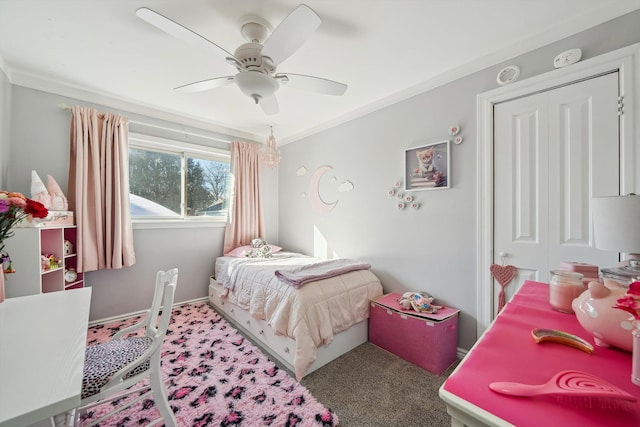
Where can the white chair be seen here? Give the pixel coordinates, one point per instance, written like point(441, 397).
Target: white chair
point(119, 364)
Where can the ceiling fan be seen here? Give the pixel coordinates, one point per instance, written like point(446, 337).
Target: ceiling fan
point(257, 60)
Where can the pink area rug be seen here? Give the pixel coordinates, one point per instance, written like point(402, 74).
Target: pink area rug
point(216, 377)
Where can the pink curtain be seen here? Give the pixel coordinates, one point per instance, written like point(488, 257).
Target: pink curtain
point(98, 189)
point(246, 219)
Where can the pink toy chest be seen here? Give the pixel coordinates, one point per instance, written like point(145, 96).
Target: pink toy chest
point(426, 340)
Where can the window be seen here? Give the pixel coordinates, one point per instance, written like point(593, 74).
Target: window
point(172, 180)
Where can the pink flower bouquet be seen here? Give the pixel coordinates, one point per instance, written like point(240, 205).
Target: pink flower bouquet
point(14, 207)
point(630, 303)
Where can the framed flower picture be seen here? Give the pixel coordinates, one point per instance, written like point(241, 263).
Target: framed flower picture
point(427, 167)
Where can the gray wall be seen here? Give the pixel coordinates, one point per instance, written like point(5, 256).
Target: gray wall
point(432, 249)
point(5, 121)
point(40, 141)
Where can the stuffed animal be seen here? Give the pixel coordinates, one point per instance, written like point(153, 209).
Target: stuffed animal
point(418, 301)
point(49, 262)
point(259, 249)
point(44, 263)
point(263, 251)
point(258, 242)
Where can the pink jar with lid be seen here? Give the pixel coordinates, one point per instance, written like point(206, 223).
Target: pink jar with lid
point(564, 287)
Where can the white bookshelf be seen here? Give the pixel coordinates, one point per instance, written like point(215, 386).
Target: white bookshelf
point(26, 248)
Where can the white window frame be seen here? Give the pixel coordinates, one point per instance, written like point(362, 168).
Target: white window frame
point(183, 149)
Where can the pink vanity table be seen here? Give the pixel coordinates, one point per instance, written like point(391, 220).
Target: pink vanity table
point(507, 352)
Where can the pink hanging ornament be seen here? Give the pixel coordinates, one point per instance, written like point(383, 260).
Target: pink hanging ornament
point(504, 274)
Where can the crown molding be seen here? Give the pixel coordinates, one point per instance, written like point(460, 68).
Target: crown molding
point(31, 81)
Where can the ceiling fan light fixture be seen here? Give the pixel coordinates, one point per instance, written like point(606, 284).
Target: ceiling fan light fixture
point(270, 154)
point(256, 85)
point(257, 60)
point(255, 29)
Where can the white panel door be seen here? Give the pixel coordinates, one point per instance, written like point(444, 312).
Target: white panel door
point(553, 152)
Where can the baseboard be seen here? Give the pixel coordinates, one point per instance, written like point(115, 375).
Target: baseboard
point(461, 353)
point(137, 313)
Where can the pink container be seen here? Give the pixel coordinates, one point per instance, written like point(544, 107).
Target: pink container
point(564, 287)
point(587, 270)
point(426, 340)
point(59, 219)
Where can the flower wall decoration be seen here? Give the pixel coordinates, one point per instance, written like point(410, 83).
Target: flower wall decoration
point(15, 207)
point(454, 130)
point(395, 191)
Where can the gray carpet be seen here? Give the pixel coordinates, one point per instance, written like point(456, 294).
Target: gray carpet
point(370, 387)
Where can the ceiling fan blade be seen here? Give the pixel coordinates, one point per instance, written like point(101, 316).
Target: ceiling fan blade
point(292, 32)
point(269, 105)
point(313, 84)
point(177, 30)
point(205, 85)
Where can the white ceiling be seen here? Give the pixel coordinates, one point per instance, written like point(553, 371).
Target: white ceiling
point(385, 50)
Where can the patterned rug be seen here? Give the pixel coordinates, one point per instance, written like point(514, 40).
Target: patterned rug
point(216, 377)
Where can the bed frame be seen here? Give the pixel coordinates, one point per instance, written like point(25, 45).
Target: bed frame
point(281, 347)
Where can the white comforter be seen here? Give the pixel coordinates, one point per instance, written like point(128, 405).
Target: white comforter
point(311, 314)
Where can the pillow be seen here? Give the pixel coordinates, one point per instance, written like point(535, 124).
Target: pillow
point(275, 248)
point(242, 251)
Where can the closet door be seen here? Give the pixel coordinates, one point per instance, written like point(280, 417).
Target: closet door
point(553, 152)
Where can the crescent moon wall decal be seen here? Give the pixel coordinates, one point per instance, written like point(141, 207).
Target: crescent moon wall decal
point(314, 191)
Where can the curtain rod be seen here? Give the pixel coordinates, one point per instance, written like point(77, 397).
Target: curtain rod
point(66, 107)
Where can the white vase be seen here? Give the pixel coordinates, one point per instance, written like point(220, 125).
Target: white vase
point(635, 358)
point(1, 284)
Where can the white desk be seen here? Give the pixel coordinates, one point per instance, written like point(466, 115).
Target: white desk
point(42, 344)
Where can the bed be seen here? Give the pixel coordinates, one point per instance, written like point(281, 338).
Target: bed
point(302, 310)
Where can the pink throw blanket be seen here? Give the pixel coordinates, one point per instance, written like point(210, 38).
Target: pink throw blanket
point(321, 270)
